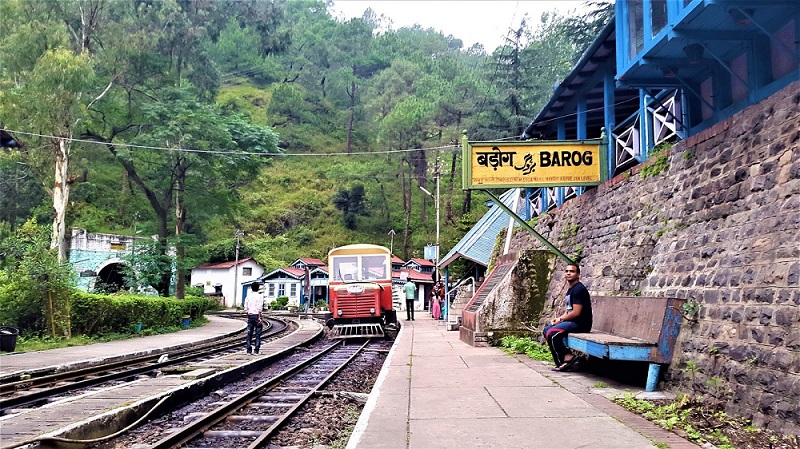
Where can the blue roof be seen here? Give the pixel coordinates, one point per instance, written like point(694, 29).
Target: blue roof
point(478, 243)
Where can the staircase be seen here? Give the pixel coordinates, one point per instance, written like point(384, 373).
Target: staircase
point(468, 330)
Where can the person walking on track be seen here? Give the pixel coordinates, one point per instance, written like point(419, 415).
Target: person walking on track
point(254, 306)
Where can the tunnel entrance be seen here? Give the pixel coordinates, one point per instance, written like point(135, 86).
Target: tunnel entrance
point(110, 279)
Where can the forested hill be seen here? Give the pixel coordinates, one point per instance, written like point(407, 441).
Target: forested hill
point(191, 119)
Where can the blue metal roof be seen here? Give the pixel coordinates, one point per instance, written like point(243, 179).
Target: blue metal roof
point(478, 243)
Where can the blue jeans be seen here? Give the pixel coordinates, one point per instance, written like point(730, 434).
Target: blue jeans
point(253, 327)
point(555, 339)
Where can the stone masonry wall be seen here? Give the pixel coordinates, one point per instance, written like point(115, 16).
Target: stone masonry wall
point(719, 225)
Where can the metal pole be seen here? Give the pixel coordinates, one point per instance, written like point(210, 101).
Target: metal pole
point(236, 269)
point(438, 203)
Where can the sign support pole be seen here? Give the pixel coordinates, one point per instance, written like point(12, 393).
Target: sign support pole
point(528, 227)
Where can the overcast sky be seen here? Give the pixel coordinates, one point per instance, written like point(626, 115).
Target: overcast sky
point(472, 21)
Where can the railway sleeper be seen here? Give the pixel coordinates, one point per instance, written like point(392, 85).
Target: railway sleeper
point(272, 404)
point(232, 434)
point(253, 418)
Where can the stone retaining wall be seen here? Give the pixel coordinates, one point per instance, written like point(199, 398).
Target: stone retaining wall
point(719, 225)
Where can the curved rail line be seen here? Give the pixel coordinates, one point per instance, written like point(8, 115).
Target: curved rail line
point(38, 390)
point(71, 419)
point(266, 407)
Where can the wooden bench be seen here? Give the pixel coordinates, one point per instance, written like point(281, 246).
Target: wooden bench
point(632, 328)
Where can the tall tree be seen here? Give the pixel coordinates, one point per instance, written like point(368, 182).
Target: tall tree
point(190, 140)
point(53, 99)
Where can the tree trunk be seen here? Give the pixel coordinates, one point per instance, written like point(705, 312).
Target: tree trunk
point(352, 95)
point(159, 208)
point(180, 225)
point(406, 231)
point(466, 206)
point(60, 198)
point(449, 203)
point(403, 184)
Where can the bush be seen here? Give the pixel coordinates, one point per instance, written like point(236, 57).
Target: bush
point(279, 303)
point(94, 314)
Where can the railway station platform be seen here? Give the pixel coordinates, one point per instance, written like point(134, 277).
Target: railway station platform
point(83, 356)
point(435, 391)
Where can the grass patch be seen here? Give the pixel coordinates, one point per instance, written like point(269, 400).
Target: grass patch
point(349, 422)
point(694, 419)
point(527, 346)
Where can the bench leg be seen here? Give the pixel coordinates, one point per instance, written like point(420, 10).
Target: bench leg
point(652, 376)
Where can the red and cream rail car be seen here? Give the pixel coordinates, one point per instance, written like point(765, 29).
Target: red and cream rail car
point(360, 291)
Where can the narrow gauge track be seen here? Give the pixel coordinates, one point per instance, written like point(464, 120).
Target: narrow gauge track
point(265, 407)
point(39, 390)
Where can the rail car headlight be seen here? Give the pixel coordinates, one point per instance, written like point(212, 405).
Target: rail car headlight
point(339, 312)
point(372, 310)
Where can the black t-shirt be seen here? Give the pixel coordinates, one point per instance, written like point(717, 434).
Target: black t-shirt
point(577, 294)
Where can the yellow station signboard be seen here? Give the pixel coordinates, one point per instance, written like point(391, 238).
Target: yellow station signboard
point(534, 164)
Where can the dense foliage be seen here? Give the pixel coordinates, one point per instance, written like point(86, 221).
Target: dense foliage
point(187, 120)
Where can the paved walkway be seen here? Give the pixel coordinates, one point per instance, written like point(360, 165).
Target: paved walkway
point(438, 392)
point(81, 356)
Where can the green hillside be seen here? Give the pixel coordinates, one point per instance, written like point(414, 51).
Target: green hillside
point(190, 120)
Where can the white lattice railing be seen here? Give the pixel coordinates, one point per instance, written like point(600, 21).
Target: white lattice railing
point(627, 144)
point(666, 117)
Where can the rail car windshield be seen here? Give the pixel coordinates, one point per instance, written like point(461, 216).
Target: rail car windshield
point(350, 268)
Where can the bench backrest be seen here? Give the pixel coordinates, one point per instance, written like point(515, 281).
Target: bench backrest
point(635, 316)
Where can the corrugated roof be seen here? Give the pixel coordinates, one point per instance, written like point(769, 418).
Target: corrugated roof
point(310, 261)
point(477, 244)
point(224, 265)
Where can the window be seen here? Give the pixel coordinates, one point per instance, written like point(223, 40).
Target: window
point(271, 291)
point(635, 28)
point(374, 267)
point(247, 271)
point(281, 289)
point(292, 290)
point(345, 268)
point(658, 15)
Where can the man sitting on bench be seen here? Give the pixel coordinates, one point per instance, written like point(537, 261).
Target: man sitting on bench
point(578, 318)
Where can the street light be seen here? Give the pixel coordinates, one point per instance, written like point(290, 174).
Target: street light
point(436, 175)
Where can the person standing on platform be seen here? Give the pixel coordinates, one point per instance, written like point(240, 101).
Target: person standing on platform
point(436, 294)
point(411, 293)
point(577, 318)
point(253, 307)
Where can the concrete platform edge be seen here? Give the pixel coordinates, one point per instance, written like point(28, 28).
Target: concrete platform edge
point(372, 400)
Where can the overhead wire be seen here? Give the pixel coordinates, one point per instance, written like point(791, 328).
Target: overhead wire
point(229, 153)
point(283, 154)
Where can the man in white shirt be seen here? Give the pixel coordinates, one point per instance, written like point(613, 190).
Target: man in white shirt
point(253, 307)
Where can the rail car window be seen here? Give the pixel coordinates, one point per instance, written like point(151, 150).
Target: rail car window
point(374, 267)
point(360, 268)
point(345, 268)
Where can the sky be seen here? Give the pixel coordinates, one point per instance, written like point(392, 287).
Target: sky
point(486, 22)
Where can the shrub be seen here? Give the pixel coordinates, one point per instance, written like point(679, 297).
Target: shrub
point(279, 303)
point(94, 314)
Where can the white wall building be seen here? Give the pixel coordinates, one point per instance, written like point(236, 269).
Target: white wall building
point(219, 278)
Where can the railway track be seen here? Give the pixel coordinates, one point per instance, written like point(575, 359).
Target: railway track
point(72, 419)
point(43, 388)
point(262, 409)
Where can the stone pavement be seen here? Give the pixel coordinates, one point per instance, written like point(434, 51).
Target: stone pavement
point(437, 392)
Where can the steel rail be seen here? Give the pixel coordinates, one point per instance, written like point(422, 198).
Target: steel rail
point(126, 371)
point(182, 436)
point(289, 413)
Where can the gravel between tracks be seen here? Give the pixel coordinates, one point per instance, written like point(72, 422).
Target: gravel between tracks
point(324, 422)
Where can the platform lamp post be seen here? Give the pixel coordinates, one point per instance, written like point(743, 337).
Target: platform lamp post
point(239, 233)
point(436, 175)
